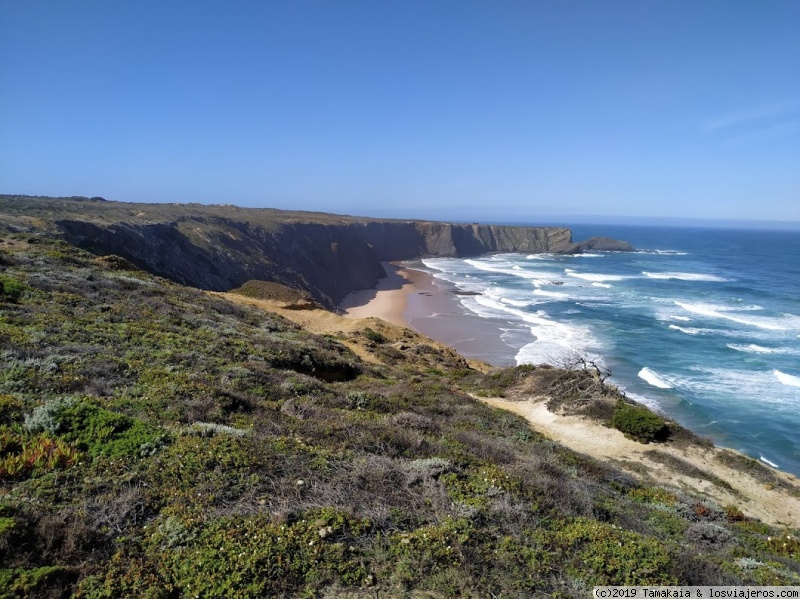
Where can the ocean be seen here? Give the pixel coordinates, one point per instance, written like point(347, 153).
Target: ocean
point(701, 324)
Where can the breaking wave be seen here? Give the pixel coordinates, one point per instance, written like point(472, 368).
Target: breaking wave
point(652, 378)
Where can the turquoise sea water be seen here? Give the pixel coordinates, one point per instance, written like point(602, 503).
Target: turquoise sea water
point(703, 324)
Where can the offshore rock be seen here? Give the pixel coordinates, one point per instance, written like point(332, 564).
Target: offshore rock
point(597, 244)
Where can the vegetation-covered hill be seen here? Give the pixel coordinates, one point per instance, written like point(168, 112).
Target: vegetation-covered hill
point(158, 441)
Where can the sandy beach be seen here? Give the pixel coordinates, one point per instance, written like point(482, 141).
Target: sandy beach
point(416, 299)
point(389, 299)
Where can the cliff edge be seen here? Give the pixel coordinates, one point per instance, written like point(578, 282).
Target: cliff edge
point(221, 247)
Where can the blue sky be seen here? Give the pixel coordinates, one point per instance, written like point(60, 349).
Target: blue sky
point(456, 109)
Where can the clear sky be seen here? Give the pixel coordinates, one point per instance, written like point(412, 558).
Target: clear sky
point(455, 109)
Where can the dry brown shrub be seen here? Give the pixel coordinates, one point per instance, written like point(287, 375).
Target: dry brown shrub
point(415, 421)
point(487, 447)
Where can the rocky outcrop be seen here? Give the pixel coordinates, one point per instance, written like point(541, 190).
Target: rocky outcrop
point(597, 244)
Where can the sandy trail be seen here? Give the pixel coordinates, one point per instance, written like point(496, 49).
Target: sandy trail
point(774, 506)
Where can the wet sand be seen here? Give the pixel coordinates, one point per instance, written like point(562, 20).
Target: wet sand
point(416, 299)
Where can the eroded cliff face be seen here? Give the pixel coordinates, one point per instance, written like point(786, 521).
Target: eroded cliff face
point(221, 247)
point(394, 240)
point(328, 260)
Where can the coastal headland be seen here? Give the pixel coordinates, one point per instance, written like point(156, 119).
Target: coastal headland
point(167, 439)
point(221, 247)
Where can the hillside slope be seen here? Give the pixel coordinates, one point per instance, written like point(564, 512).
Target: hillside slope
point(160, 441)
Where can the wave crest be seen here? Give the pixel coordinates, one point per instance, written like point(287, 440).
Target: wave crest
point(752, 348)
point(787, 379)
point(652, 378)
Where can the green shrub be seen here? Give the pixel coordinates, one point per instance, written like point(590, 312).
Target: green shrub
point(428, 551)
point(602, 554)
point(20, 582)
point(10, 289)
point(638, 422)
point(241, 557)
point(374, 336)
point(11, 409)
point(96, 430)
point(653, 495)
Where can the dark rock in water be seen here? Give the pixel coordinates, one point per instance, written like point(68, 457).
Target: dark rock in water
point(598, 244)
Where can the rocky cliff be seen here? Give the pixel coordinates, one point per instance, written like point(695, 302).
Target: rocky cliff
point(222, 247)
point(328, 259)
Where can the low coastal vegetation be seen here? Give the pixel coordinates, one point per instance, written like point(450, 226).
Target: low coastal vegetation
point(159, 441)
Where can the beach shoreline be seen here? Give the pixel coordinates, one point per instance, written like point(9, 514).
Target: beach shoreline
point(416, 299)
point(389, 298)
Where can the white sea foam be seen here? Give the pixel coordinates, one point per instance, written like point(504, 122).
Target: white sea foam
point(517, 303)
point(752, 348)
point(606, 285)
point(549, 256)
point(691, 330)
point(642, 399)
point(555, 341)
point(768, 462)
point(506, 268)
point(663, 252)
point(782, 323)
point(593, 276)
point(552, 294)
point(787, 379)
point(746, 386)
point(652, 378)
point(683, 276)
point(668, 314)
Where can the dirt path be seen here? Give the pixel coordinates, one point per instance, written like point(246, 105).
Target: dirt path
point(773, 505)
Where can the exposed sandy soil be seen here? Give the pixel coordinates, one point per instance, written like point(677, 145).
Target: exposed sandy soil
point(772, 505)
